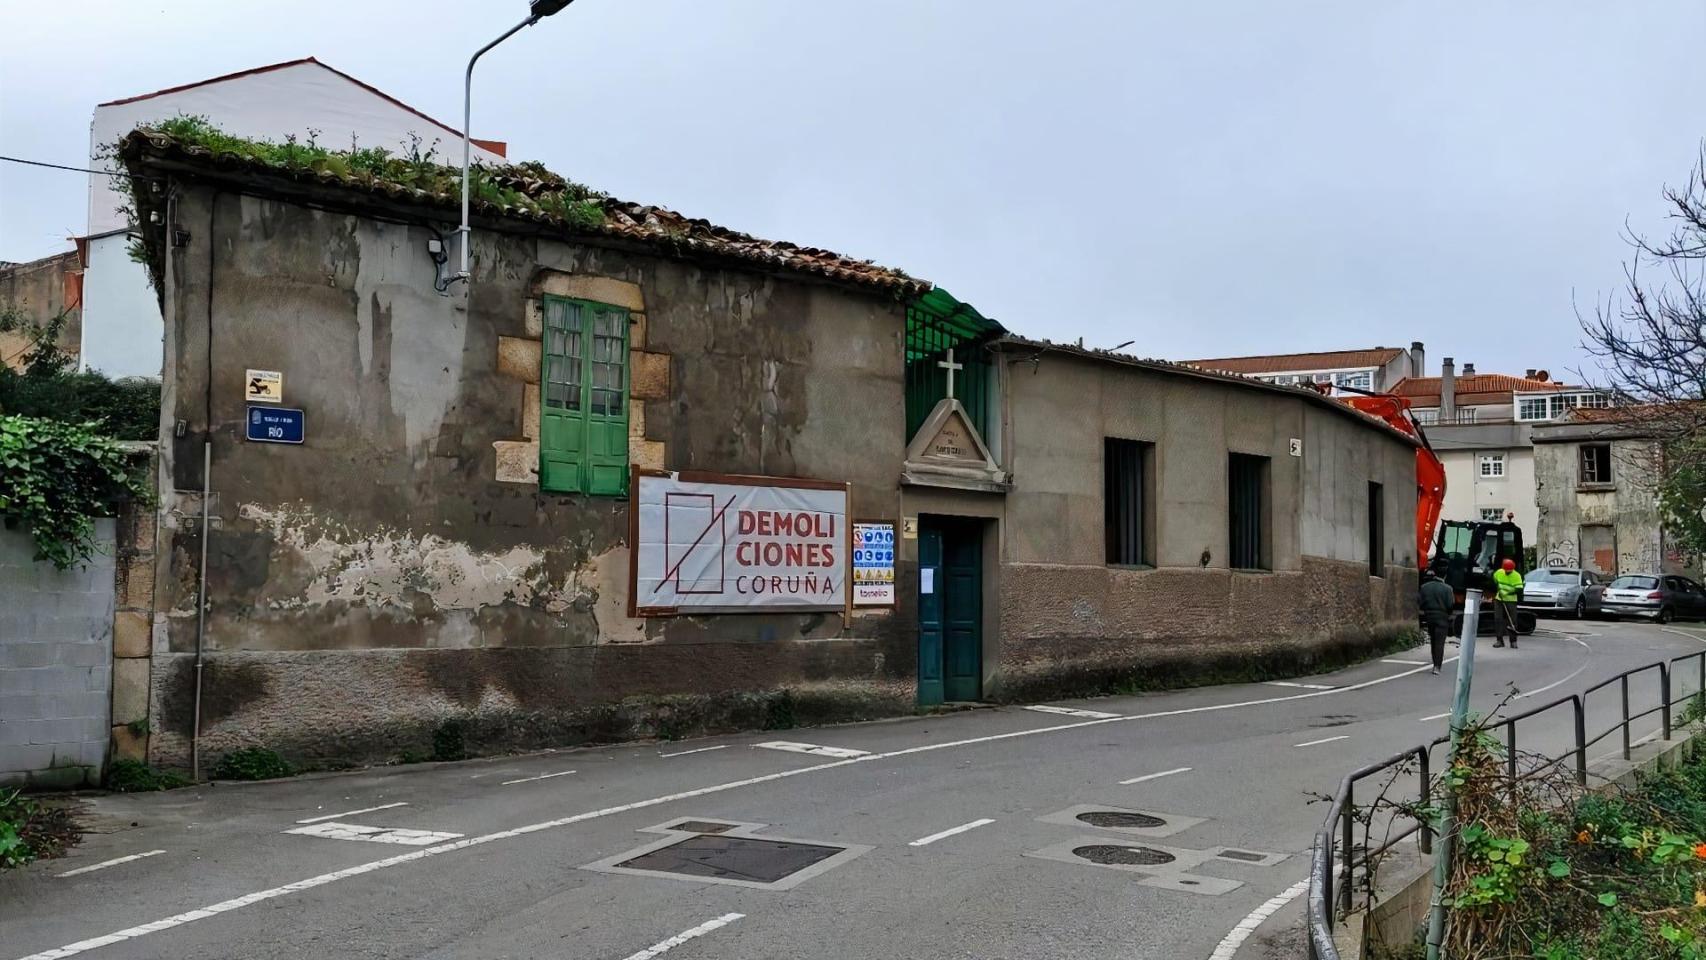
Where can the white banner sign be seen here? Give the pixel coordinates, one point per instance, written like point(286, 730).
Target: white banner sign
point(744, 547)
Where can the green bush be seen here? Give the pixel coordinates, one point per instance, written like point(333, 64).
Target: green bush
point(56, 478)
point(252, 763)
point(134, 776)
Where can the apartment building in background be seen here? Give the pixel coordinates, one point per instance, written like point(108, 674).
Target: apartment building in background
point(1375, 369)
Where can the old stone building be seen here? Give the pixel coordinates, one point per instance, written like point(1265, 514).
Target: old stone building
point(644, 475)
point(37, 294)
point(1596, 473)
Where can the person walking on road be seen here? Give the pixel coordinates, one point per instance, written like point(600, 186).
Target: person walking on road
point(1509, 584)
point(1437, 601)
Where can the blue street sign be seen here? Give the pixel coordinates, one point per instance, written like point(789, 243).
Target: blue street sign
point(276, 425)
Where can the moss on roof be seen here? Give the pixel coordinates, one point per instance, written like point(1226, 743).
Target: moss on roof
point(520, 191)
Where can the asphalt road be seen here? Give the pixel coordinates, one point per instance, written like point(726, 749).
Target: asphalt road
point(524, 870)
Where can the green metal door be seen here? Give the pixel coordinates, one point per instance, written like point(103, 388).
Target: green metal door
point(930, 626)
point(962, 640)
point(950, 610)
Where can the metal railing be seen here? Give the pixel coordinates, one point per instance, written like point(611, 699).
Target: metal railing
point(1331, 888)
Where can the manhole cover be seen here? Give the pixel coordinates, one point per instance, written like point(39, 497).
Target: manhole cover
point(1121, 819)
point(733, 858)
point(1249, 855)
point(702, 826)
point(1107, 853)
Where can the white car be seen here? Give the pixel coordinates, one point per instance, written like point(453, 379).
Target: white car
point(1564, 591)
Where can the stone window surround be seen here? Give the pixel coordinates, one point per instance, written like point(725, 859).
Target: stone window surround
point(520, 359)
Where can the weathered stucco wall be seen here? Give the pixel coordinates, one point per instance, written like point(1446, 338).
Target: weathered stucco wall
point(1069, 621)
point(1626, 508)
point(402, 566)
point(40, 290)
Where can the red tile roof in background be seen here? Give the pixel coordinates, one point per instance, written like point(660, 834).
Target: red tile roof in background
point(498, 147)
point(1288, 362)
point(1482, 388)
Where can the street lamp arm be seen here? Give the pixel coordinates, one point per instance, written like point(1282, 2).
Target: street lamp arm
point(467, 117)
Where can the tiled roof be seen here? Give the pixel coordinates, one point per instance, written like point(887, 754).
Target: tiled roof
point(668, 232)
point(1178, 368)
point(1288, 362)
point(1482, 388)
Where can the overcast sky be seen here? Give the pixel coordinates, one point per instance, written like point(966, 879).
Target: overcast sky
point(1206, 179)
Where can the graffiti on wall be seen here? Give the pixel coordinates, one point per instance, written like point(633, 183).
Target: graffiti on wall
point(1561, 553)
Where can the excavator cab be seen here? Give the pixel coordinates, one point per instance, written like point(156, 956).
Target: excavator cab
point(1466, 554)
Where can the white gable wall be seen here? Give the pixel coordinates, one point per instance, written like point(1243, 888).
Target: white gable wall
point(122, 329)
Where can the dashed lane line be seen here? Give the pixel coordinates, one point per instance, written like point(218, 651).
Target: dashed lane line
point(351, 813)
point(110, 863)
point(1154, 776)
point(1300, 686)
point(356, 831)
point(683, 753)
point(951, 831)
point(1316, 743)
point(261, 896)
point(665, 946)
point(543, 776)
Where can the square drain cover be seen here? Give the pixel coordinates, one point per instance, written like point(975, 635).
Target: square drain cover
point(702, 826)
point(751, 859)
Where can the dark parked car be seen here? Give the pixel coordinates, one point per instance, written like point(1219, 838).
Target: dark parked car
point(1574, 593)
point(1658, 598)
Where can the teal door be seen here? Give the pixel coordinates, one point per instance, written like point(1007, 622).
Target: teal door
point(950, 611)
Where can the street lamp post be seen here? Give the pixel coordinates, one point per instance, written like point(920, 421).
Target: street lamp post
point(536, 11)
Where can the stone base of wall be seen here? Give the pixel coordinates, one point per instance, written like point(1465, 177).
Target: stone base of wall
point(339, 707)
point(1083, 631)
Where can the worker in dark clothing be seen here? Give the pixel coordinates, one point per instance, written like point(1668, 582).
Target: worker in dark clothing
point(1508, 586)
point(1436, 604)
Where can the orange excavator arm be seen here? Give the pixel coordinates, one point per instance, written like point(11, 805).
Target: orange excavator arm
point(1430, 472)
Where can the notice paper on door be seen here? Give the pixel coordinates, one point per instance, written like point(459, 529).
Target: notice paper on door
point(927, 580)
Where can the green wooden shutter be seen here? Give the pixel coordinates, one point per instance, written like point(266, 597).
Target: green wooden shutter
point(607, 402)
point(583, 423)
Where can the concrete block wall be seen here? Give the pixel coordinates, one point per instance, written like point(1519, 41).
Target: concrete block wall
point(56, 663)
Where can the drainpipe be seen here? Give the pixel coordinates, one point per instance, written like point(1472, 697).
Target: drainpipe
point(201, 597)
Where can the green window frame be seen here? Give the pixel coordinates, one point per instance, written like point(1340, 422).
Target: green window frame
point(583, 398)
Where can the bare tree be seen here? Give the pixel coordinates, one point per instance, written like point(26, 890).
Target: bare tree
point(1650, 344)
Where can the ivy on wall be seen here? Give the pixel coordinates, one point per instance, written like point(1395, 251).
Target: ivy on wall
point(56, 478)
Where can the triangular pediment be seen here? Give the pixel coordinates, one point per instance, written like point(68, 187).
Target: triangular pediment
point(947, 451)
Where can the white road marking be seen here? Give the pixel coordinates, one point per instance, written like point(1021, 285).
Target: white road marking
point(962, 828)
point(1408, 663)
point(814, 749)
point(351, 813)
point(684, 753)
point(1556, 683)
point(1071, 712)
point(1232, 941)
point(1304, 686)
point(355, 831)
point(1154, 776)
point(110, 863)
point(543, 776)
point(684, 936)
point(260, 896)
point(1316, 743)
point(1684, 633)
point(1437, 716)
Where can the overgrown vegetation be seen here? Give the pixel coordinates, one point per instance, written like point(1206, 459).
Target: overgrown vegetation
point(527, 187)
point(32, 830)
point(56, 478)
point(252, 763)
point(135, 776)
point(48, 387)
point(1549, 870)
